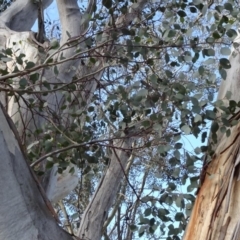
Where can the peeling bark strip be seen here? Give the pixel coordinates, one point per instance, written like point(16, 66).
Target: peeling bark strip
point(216, 210)
point(224, 228)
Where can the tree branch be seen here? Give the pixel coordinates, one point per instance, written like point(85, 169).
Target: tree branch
point(70, 18)
point(15, 16)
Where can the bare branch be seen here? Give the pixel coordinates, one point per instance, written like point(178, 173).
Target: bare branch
point(90, 7)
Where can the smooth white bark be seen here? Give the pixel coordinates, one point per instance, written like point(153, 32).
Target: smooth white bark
point(96, 212)
point(23, 213)
point(21, 15)
point(60, 185)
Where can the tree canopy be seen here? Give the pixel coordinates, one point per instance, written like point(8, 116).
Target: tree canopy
point(135, 78)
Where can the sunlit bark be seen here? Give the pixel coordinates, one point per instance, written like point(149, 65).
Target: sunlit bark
point(215, 214)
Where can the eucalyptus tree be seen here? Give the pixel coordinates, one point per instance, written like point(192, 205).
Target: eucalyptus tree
point(109, 103)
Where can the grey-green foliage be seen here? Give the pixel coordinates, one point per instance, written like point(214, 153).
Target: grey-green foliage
point(163, 71)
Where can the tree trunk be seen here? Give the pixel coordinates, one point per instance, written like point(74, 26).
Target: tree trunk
point(215, 214)
point(96, 212)
point(23, 209)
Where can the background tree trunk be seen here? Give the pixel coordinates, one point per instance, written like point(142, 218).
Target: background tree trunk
point(96, 212)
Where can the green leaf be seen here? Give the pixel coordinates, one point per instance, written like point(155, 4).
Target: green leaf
point(169, 73)
point(146, 123)
point(209, 61)
point(224, 62)
point(147, 211)
point(195, 58)
point(214, 127)
point(231, 33)
point(189, 207)
point(228, 6)
point(180, 202)
point(216, 35)
point(68, 34)
point(171, 186)
point(46, 85)
point(178, 145)
point(54, 44)
point(193, 9)
point(8, 51)
point(201, 70)
point(19, 58)
point(223, 129)
point(176, 172)
point(196, 2)
point(179, 216)
point(162, 214)
point(49, 164)
point(142, 93)
point(34, 77)
point(228, 132)
point(30, 65)
point(177, 26)
point(179, 96)
point(208, 52)
point(225, 51)
point(91, 109)
point(223, 73)
point(204, 9)
point(86, 170)
point(204, 136)
point(125, 31)
point(23, 82)
point(48, 146)
point(181, 13)
point(211, 115)
point(145, 199)
point(107, 3)
point(152, 221)
point(236, 45)
point(141, 231)
point(196, 108)
point(197, 118)
point(186, 129)
point(72, 170)
point(133, 227)
point(75, 216)
point(137, 39)
point(55, 69)
point(210, 40)
point(171, 33)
